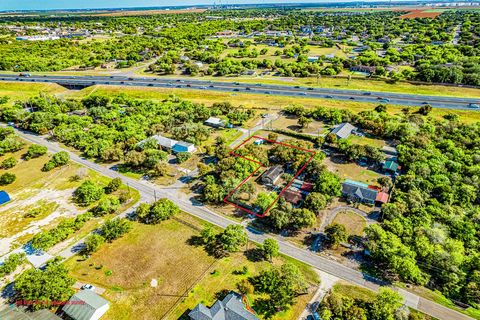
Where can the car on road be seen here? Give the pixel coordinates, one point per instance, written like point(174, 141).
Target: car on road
point(352, 98)
point(130, 79)
point(150, 84)
point(310, 88)
point(384, 100)
point(236, 89)
point(237, 83)
point(88, 286)
point(189, 85)
point(303, 93)
point(329, 97)
point(474, 106)
point(267, 92)
point(297, 87)
point(248, 88)
point(265, 115)
point(203, 87)
point(23, 74)
point(211, 86)
point(367, 93)
point(425, 102)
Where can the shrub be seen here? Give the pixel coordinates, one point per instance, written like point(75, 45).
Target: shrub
point(7, 178)
point(113, 185)
point(8, 163)
point(58, 159)
point(87, 193)
point(35, 151)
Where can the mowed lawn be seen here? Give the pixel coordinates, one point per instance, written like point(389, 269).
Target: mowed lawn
point(25, 90)
point(186, 275)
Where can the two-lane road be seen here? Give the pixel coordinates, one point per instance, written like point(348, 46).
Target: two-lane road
point(258, 88)
point(148, 191)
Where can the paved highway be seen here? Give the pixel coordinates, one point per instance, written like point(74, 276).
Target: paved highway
point(148, 191)
point(265, 89)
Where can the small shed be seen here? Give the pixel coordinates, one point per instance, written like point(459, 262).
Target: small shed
point(4, 197)
point(86, 305)
point(391, 166)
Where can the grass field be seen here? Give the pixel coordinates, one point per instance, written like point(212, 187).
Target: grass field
point(367, 141)
point(350, 170)
point(186, 275)
point(25, 90)
point(40, 200)
point(259, 101)
point(352, 221)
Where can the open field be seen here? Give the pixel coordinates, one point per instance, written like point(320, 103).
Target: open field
point(144, 12)
point(422, 14)
point(352, 221)
point(351, 170)
point(40, 200)
point(186, 275)
point(25, 90)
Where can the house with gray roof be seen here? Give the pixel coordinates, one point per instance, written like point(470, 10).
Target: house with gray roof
point(359, 192)
point(272, 175)
point(344, 130)
point(214, 122)
point(230, 308)
point(86, 305)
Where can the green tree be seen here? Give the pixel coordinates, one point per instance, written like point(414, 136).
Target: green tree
point(270, 248)
point(106, 205)
point(386, 304)
point(161, 210)
point(92, 243)
point(328, 184)
point(113, 185)
point(316, 201)
point(35, 151)
point(336, 234)
point(232, 238)
point(87, 193)
point(48, 285)
point(7, 178)
point(58, 159)
point(208, 235)
point(115, 228)
point(8, 163)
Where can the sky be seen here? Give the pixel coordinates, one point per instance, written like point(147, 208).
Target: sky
point(87, 4)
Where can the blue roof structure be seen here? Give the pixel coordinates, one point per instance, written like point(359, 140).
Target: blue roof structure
point(4, 197)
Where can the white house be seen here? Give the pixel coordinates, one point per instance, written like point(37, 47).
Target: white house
point(86, 305)
point(182, 146)
point(215, 122)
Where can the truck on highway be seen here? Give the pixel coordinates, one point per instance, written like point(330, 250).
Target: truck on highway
point(23, 74)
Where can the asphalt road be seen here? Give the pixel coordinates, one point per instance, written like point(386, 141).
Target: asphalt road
point(149, 191)
point(264, 89)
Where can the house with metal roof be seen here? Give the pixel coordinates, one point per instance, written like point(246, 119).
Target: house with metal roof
point(214, 122)
point(4, 197)
point(344, 130)
point(161, 141)
point(230, 308)
point(14, 312)
point(391, 166)
point(182, 146)
point(293, 195)
point(86, 305)
point(359, 192)
point(272, 175)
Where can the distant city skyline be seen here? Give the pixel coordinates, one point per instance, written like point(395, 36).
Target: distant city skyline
point(94, 4)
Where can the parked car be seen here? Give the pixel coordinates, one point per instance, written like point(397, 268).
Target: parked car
point(474, 106)
point(88, 286)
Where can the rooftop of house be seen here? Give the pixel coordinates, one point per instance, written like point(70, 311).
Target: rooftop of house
point(292, 196)
point(344, 130)
point(273, 173)
point(230, 308)
point(214, 120)
point(359, 190)
point(391, 165)
point(83, 304)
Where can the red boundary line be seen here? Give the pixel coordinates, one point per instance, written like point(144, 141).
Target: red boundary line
point(233, 153)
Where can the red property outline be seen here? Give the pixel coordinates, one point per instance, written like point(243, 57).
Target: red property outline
point(233, 153)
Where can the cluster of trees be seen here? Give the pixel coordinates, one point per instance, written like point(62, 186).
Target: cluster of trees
point(47, 239)
point(114, 127)
point(9, 141)
point(11, 263)
point(44, 287)
point(386, 305)
point(221, 244)
point(35, 151)
point(160, 210)
point(111, 230)
point(58, 159)
point(7, 178)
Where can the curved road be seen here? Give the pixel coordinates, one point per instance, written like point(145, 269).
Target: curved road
point(264, 89)
point(148, 191)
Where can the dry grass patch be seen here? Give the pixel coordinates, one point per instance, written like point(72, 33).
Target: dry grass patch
point(354, 223)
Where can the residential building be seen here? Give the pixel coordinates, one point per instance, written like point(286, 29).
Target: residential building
point(390, 151)
point(162, 141)
point(4, 197)
point(359, 192)
point(390, 166)
point(293, 195)
point(364, 69)
point(272, 175)
point(13, 312)
point(86, 305)
point(313, 59)
point(230, 308)
point(214, 122)
point(344, 130)
point(183, 147)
